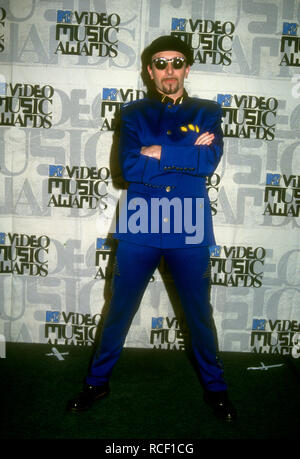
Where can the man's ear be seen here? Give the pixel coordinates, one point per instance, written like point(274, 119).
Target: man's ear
point(187, 71)
point(150, 71)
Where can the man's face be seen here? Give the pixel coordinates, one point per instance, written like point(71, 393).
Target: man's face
point(169, 81)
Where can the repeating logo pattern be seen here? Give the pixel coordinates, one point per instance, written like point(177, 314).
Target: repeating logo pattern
point(65, 74)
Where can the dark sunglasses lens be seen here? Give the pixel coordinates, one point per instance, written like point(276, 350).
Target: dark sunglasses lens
point(160, 64)
point(178, 63)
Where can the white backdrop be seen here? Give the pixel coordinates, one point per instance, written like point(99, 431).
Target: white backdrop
point(66, 68)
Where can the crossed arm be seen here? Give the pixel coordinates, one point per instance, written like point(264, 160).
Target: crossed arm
point(154, 151)
point(142, 163)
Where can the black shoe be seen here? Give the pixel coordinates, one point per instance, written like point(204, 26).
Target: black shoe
point(87, 397)
point(222, 406)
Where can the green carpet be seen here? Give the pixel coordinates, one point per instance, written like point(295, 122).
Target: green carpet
point(155, 395)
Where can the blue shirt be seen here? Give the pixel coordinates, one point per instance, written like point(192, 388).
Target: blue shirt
point(160, 189)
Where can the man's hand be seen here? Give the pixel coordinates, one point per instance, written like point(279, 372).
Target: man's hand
point(153, 151)
point(204, 139)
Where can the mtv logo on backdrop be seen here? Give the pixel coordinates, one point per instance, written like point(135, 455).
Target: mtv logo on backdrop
point(289, 28)
point(56, 171)
point(3, 87)
point(157, 322)
point(178, 24)
point(215, 250)
point(273, 179)
point(52, 316)
point(64, 16)
point(259, 324)
point(109, 94)
point(224, 99)
point(101, 244)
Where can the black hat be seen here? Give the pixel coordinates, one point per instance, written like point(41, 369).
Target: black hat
point(168, 43)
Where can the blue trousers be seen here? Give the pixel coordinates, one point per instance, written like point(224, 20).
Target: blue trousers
point(190, 269)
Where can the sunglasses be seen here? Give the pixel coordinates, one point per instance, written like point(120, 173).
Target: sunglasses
point(161, 62)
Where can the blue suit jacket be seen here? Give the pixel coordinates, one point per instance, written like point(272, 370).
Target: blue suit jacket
point(180, 173)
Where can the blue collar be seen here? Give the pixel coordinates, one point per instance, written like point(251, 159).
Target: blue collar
point(165, 99)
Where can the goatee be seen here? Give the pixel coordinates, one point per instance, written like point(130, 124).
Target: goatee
point(170, 89)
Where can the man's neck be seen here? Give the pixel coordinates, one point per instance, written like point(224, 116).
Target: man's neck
point(174, 97)
point(168, 98)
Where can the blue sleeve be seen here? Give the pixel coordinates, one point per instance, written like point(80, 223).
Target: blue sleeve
point(187, 159)
point(135, 166)
point(196, 159)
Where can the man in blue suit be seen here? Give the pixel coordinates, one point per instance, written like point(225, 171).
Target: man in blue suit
point(169, 143)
